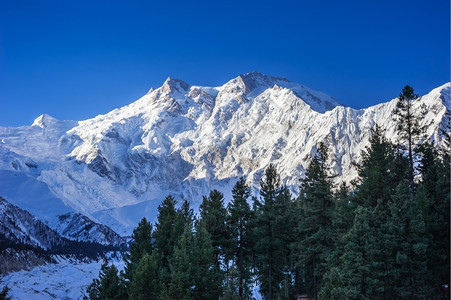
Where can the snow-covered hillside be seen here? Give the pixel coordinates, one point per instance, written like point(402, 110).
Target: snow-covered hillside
point(184, 140)
point(66, 279)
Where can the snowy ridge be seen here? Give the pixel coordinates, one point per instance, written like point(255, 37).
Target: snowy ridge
point(184, 140)
point(34, 198)
point(17, 225)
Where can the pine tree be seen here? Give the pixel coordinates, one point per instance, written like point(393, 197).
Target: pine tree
point(347, 278)
point(142, 243)
point(285, 229)
point(408, 241)
point(207, 278)
point(408, 127)
point(344, 217)
point(269, 247)
point(434, 196)
point(343, 212)
point(168, 229)
point(164, 233)
point(377, 182)
point(213, 216)
point(145, 284)
point(315, 224)
point(109, 285)
point(186, 213)
point(239, 220)
point(182, 279)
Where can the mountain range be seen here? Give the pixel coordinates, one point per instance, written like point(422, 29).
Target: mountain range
point(83, 177)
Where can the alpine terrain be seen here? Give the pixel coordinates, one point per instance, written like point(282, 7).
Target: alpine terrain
point(81, 178)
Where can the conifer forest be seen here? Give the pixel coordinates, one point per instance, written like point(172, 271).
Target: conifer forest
point(385, 235)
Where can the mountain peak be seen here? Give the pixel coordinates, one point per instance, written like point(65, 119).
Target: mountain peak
point(172, 85)
point(247, 83)
point(261, 79)
point(253, 80)
point(44, 120)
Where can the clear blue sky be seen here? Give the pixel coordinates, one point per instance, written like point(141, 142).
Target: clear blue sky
point(77, 59)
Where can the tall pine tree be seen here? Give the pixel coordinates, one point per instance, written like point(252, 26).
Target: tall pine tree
point(213, 216)
point(168, 229)
point(239, 220)
point(142, 243)
point(145, 284)
point(269, 247)
point(109, 285)
point(409, 128)
point(315, 224)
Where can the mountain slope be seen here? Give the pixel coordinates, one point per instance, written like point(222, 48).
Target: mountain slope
point(19, 226)
point(184, 140)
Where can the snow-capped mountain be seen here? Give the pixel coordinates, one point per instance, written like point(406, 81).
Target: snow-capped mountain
point(184, 140)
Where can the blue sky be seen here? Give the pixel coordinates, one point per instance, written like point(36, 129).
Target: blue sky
point(77, 59)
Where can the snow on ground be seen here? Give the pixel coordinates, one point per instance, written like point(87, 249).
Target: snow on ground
point(68, 279)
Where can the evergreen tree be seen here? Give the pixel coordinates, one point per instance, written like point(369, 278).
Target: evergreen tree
point(165, 233)
point(207, 278)
point(408, 127)
point(239, 220)
point(142, 243)
point(168, 229)
point(186, 213)
point(182, 277)
point(315, 224)
point(285, 229)
point(347, 278)
point(108, 286)
point(344, 214)
point(434, 198)
point(407, 240)
point(213, 216)
point(145, 284)
point(232, 286)
point(380, 172)
point(269, 247)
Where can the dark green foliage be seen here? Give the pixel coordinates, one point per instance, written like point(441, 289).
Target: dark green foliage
point(194, 274)
point(207, 278)
point(145, 284)
point(109, 285)
point(433, 196)
point(213, 217)
point(378, 173)
point(168, 229)
point(181, 276)
point(315, 230)
point(272, 218)
point(141, 244)
point(407, 240)
point(393, 249)
point(166, 234)
point(347, 275)
point(240, 220)
point(409, 128)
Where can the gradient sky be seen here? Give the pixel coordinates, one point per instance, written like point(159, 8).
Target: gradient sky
point(77, 59)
